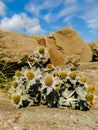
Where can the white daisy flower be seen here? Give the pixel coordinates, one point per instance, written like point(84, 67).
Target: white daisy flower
point(67, 98)
point(25, 98)
point(32, 76)
point(50, 82)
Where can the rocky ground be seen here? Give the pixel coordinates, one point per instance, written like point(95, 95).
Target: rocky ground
point(43, 118)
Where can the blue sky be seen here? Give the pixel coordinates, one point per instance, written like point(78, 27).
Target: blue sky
point(41, 17)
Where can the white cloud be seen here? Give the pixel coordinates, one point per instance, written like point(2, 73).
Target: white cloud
point(91, 17)
point(22, 23)
point(93, 23)
point(93, 31)
point(35, 7)
point(8, 0)
point(35, 30)
point(90, 1)
point(70, 1)
point(51, 3)
point(68, 19)
point(2, 8)
point(11, 24)
point(67, 11)
point(48, 17)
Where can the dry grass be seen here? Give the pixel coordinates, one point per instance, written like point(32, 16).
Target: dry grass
point(37, 37)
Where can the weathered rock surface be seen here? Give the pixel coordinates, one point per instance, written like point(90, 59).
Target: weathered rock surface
point(87, 66)
point(70, 44)
point(13, 45)
point(94, 48)
point(62, 45)
point(56, 57)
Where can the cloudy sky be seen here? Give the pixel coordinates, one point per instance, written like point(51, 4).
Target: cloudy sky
point(40, 17)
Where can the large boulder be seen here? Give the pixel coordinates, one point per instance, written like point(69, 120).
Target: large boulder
point(56, 57)
point(13, 46)
point(72, 44)
point(94, 48)
point(63, 45)
point(68, 46)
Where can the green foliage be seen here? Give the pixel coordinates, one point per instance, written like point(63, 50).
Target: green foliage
point(36, 37)
point(4, 72)
point(7, 71)
point(1, 31)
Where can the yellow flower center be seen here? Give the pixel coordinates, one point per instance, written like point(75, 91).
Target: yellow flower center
point(30, 75)
point(67, 85)
point(15, 84)
point(49, 66)
point(62, 75)
point(91, 89)
point(83, 79)
point(25, 54)
point(73, 75)
point(16, 99)
point(57, 88)
point(18, 73)
point(41, 50)
point(90, 97)
point(48, 81)
point(75, 61)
